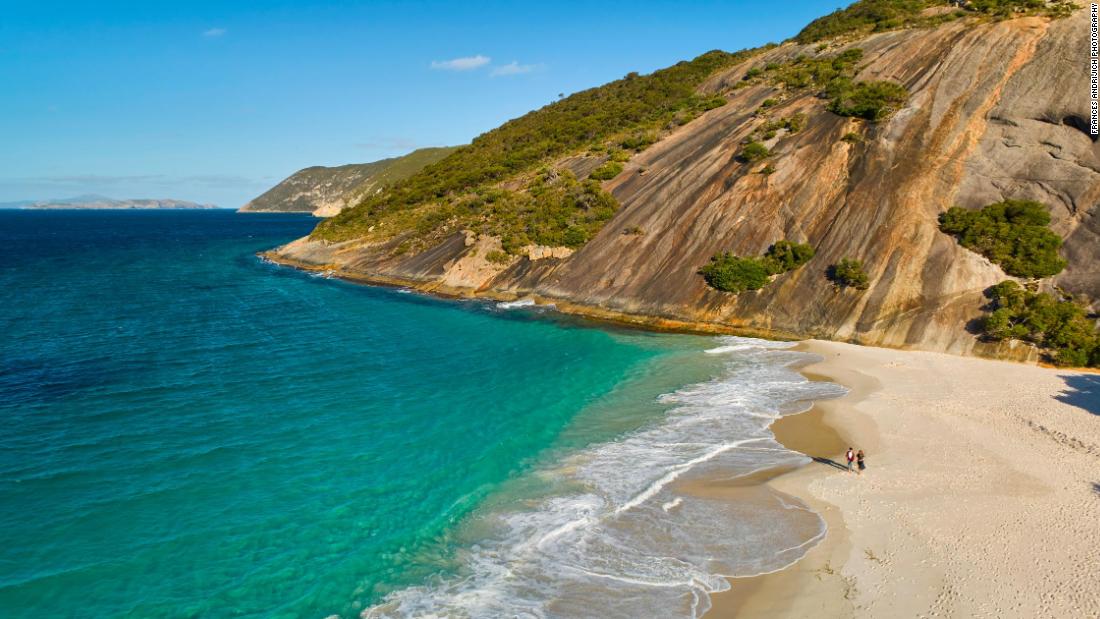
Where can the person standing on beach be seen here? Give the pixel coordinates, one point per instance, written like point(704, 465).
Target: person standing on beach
point(859, 461)
point(851, 456)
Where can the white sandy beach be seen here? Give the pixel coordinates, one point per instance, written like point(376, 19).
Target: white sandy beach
point(981, 498)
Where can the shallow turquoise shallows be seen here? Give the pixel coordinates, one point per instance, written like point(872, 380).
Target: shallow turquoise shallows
point(187, 431)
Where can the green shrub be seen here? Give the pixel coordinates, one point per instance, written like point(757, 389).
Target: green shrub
point(867, 100)
point(753, 72)
point(607, 171)
point(787, 256)
point(769, 103)
point(713, 103)
point(768, 169)
point(619, 155)
point(793, 124)
point(641, 140)
point(852, 137)
point(729, 273)
point(848, 273)
point(753, 152)
point(829, 73)
point(1060, 328)
point(497, 257)
point(1012, 234)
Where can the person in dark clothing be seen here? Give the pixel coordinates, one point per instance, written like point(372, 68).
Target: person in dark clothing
point(859, 459)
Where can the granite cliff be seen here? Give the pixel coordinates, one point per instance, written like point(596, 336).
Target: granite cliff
point(997, 109)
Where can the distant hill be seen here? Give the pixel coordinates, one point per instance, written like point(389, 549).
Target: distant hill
point(94, 202)
point(325, 191)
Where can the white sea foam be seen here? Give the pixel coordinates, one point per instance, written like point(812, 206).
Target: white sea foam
point(621, 539)
point(673, 504)
point(518, 303)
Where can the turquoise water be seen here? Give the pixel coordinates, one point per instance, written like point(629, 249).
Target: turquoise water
point(187, 431)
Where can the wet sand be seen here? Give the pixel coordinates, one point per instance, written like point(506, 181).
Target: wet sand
point(981, 496)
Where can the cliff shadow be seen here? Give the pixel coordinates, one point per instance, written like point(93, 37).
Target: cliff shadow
point(1082, 391)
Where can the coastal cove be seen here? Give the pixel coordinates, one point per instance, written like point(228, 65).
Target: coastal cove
point(308, 427)
point(949, 431)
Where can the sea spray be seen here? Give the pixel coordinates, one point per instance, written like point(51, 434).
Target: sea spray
point(618, 535)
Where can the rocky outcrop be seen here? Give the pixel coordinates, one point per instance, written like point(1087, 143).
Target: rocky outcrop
point(325, 191)
point(997, 110)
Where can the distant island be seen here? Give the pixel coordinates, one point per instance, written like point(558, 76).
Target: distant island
point(94, 202)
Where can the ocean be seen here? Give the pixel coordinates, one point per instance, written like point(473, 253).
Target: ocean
point(188, 431)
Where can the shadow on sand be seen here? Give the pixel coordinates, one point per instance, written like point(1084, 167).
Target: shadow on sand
point(1082, 391)
point(1096, 488)
point(832, 463)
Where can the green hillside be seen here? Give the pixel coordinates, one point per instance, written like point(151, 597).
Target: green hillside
point(614, 119)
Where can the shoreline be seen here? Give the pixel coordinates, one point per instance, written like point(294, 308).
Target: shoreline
point(599, 315)
point(813, 582)
point(954, 446)
point(960, 512)
point(1008, 350)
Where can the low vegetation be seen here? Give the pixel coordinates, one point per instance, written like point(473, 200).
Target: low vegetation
point(753, 152)
point(607, 171)
point(834, 78)
point(497, 257)
point(848, 273)
point(555, 210)
point(730, 273)
point(793, 124)
point(868, 16)
point(1059, 327)
point(1012, 234)
point(626, 112)
point(871, 101)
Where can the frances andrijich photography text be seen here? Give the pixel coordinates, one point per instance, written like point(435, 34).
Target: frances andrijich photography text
point(1094, 70)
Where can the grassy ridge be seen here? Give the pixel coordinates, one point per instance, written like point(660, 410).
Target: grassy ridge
point(620, 112)
point(868, 16)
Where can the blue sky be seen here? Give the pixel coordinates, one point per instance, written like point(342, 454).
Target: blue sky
point(217, 101)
